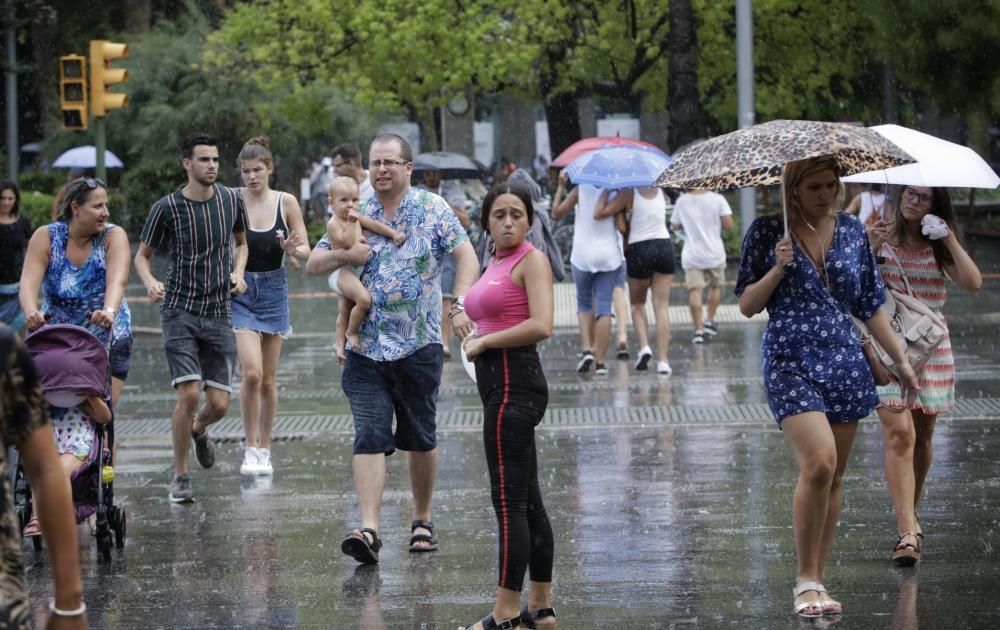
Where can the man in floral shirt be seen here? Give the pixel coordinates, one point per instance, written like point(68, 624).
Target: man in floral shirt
point(396, 370)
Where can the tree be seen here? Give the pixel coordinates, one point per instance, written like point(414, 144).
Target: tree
point(684, 102)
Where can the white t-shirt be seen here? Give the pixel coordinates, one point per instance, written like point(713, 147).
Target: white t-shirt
point(871, 202)
point(649, 218)
point(596, 244)
point(700, 216)
point(365, 189)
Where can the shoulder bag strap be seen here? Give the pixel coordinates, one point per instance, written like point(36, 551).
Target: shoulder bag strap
point(902, 274)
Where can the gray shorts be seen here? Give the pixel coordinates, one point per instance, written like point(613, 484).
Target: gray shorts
point(199, 348)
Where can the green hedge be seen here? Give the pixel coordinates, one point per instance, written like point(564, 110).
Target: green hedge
point(37, 207)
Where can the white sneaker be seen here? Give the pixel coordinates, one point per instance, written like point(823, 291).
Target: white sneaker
point(264, 462)
point(662, 367)
point(251, 459)
point(645, 354)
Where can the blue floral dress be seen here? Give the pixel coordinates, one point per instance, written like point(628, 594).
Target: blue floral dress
point(810, 353)
point(71, 293)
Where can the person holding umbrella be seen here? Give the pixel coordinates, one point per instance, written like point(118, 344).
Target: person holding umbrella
point(812, 278)
point(919, 248)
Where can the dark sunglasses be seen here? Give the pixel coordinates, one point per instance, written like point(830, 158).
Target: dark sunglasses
point(94, 182)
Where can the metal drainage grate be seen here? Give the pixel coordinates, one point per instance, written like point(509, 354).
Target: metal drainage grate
point(297, 427)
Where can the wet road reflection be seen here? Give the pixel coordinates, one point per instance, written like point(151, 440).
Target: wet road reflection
point(657, 524)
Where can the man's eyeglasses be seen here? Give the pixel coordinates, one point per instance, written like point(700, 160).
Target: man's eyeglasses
point(94, 182)
point(377, 164)
point(921, 197)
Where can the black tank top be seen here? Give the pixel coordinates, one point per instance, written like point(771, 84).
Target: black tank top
point(265, 251)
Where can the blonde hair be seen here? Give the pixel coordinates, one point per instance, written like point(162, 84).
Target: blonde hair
point(795, 172)
point(343, 180)
point(257, 148)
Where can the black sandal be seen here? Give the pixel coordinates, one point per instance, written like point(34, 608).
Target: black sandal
point(358, 547)
point(430, 539)
point(490, 624)
point(529, 617)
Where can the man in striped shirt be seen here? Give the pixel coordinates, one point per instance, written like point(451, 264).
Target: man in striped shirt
point(203, 227)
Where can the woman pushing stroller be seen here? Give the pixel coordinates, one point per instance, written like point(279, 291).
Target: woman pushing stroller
point(81, 263)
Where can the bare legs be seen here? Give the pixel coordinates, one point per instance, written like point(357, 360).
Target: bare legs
point(595, 335)
point(369, 484)
point(183, 420)
point(908, 455)
point(620, 302)
point(694, 303)
point(259, 356)
point(638, 288)
point(821, 451)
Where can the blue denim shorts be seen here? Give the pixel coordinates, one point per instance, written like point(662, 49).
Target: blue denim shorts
point(376, 390)
point(595, 290)
point(263, 307)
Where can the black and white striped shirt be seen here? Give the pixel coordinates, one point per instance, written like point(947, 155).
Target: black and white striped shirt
point(198, 235)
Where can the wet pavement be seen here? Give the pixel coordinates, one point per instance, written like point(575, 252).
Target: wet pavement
point(669, 497)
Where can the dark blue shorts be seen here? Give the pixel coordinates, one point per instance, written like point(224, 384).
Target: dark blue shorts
point(406, 388)
point(121, 357)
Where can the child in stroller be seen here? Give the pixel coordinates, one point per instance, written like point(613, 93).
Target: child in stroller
point(74, 369)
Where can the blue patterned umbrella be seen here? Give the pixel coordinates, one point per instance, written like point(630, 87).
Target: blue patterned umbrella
point(618, 166)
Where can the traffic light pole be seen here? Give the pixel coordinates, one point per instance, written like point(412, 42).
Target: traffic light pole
point(100, 141)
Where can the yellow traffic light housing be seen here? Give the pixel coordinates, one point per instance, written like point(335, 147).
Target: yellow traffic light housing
point(73, 91)
point(102, 76)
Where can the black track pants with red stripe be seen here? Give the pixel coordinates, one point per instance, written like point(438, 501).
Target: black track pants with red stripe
point(514, 392)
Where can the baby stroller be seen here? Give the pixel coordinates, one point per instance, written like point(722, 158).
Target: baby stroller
point(73, 364)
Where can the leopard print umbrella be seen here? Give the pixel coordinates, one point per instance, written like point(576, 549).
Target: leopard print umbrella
point(755, 156)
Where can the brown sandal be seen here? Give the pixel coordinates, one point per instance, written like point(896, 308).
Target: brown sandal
point(906, 554)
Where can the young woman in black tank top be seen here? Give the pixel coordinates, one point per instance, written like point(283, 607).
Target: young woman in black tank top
point(261, 315)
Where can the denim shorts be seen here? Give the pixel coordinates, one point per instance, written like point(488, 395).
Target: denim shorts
point(407, 388)
point(199, 348)
point(448, 269)
point(121, 357)
point(263, 307)
point(595, 290)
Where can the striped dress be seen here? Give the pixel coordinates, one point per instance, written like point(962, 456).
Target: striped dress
point(927, 280)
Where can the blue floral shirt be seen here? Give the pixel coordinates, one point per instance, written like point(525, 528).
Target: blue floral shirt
point(405, 282)
point(809, 337)
point(70, 293)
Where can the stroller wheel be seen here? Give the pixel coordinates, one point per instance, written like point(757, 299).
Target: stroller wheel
point(104, 544)
point(120, 529)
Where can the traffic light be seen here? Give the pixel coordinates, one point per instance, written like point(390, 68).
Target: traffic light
point(102, 76)
point(73, 91)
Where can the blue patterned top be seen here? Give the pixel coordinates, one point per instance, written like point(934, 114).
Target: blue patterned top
point(70, 293)
point(405, 282)
point(809, 337)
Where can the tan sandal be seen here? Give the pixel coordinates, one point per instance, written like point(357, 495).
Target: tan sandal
point(808, 609)
point(830, 605)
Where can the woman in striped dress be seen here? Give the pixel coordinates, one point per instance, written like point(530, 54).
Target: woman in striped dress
point(920, 243)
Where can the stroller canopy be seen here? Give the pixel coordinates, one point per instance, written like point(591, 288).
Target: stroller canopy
point(72, 363)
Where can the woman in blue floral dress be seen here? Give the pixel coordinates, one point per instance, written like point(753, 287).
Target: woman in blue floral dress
point(81, 263)
point(817, 381)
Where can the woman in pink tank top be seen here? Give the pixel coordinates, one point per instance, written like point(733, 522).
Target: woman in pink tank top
point(918, 249)
point(512, 306)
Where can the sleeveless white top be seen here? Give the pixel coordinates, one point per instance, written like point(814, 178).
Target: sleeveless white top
point(649, 217)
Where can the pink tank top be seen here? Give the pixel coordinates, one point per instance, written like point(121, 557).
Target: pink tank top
point(494, 302)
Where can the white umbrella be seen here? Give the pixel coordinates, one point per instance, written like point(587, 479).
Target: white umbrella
point(939, 163)
point(86, 157)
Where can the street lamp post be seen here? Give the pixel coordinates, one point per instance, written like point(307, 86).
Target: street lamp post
point(745, 97)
